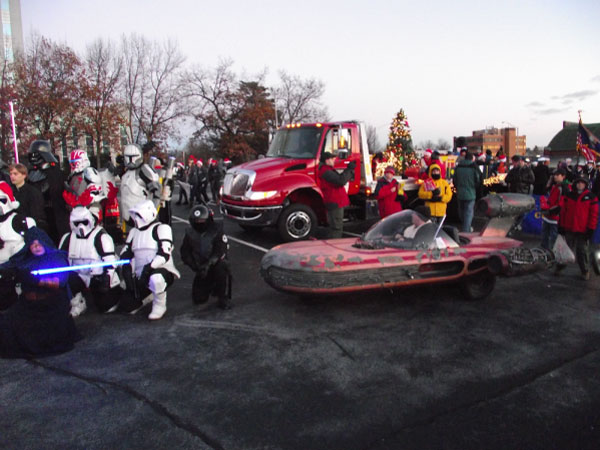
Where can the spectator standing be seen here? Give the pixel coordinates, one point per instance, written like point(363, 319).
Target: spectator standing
point(520, 178)
point(31, 200)
point(436, 192)
point(387, 193)
point(551, 208)
point(334, 195)
point(542, 176)
point(467, 178)
point(578, 220)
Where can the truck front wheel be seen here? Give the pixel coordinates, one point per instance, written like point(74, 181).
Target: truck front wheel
point(297, 222)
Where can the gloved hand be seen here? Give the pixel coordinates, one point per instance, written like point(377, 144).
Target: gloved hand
point(589, 233)
point(351, 165)
point(202, 271)
point(436, 198)
point(436, 192)
point(561, 231)
point(102, 282)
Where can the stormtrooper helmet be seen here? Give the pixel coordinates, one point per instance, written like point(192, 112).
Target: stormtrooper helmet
point(143, 214)
point(7, 199)
point(79, 161)
point(82, 221)
point(133, 156)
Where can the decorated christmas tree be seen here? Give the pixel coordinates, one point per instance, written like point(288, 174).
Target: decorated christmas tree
point(400, 149)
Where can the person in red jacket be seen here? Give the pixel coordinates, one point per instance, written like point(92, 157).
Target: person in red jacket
point(578, 220)
point(386, 193)
point(334, 194)
point(550, 207)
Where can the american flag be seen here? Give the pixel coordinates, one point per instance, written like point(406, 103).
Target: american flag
point(587, 144)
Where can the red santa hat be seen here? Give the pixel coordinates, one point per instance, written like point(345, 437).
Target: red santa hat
point(502, 158)
point(5, 187)
point(12, 204)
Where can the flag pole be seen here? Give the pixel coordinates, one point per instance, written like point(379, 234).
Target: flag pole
point(14, 130)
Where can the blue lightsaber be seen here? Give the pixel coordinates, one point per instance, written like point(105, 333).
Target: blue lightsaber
point(79, 267)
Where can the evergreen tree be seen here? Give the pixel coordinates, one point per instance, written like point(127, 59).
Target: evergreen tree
point(400, 146)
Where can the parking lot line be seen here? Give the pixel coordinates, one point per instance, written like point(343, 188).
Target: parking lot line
point(239, 241)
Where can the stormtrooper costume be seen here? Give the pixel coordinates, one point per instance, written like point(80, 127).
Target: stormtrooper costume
point(89, 243)
point(12, 231)
point(84, 180)
point(149, 245)
point(140, 182)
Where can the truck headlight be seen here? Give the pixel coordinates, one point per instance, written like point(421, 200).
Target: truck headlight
point(260, 195)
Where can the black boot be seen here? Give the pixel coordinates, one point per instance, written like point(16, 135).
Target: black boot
point(224, 303)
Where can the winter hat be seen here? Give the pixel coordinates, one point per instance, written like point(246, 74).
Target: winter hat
point(390, 169)
point(5, 187)
point(327, 155)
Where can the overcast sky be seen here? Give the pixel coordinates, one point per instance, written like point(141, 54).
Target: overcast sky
point(454, 67)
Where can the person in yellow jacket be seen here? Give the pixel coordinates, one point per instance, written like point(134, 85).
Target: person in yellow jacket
point(436, 192)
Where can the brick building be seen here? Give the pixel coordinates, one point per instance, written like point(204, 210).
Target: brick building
point(493, 139)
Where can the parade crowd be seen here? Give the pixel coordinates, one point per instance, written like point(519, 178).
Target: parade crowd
point(62, 244)
point(103, 237)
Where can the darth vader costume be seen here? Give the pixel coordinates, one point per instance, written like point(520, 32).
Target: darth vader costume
point(46, 176)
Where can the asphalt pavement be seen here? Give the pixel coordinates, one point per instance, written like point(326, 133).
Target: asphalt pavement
point(406, 369)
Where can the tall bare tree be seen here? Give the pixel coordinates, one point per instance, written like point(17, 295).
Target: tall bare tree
point(373, 140)
point(104, 69)
point(299, 100)
point(443, 144)
point(153, 87)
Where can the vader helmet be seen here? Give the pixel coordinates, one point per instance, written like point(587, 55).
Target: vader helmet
point(82, 221)
point(133, 156)
point(7, 199)
point(201, 216)
point(79, 161)
point(143, 214)
point(40, 155)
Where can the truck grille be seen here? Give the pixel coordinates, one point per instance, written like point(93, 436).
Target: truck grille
point(235, 184)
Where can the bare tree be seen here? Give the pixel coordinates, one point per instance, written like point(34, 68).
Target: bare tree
point(153, 87)
point(104, 68)
point(234, 115)
point(373, 140)
point(427, 144)
point(299, 100)
point(443, 144)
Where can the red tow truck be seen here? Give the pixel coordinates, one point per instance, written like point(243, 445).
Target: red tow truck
point(283, 188)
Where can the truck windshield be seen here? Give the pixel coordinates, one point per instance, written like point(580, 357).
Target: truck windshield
point(300, 143)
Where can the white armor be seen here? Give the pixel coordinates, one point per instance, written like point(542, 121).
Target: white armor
point(12, 232)
point(138, 185)
point(151, 243)
point(83, 178)
point(82, 250)
point(148, 250)
point(13, 225)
